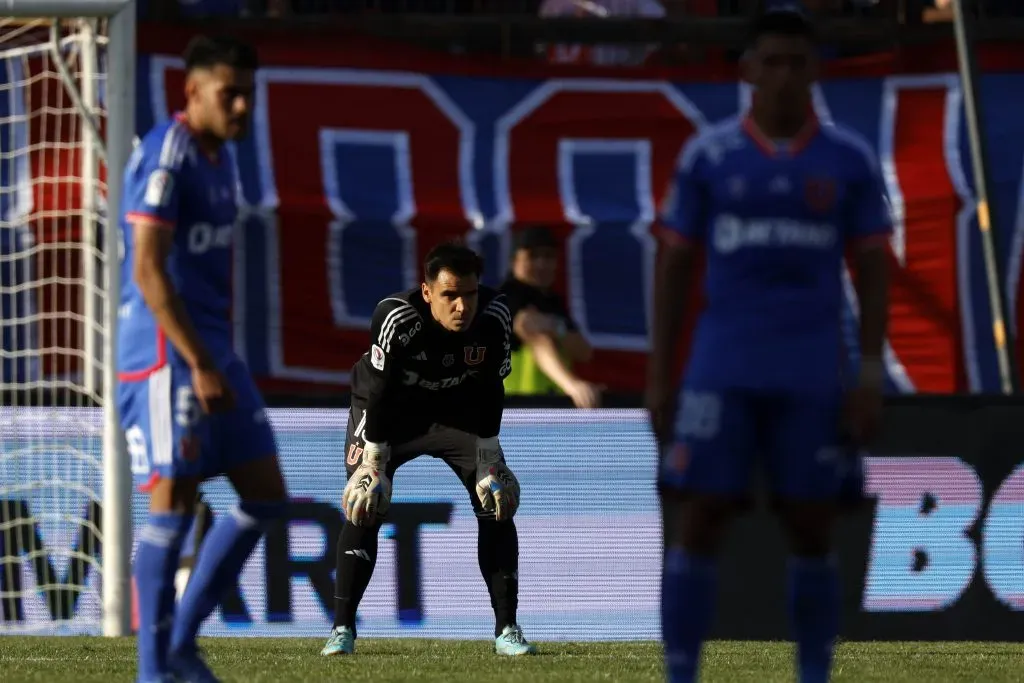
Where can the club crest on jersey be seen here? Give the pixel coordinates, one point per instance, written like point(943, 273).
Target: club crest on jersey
point(189, 446)
point(474, 355)
point(448, 360)
point(676, 459)
point(820, 194)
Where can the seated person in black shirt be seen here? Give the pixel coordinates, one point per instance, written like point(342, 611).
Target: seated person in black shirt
point(546, 342)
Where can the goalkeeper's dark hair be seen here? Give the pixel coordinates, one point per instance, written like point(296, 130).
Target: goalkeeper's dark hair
point(205, 52)
point(455, 257)
point(789, 20)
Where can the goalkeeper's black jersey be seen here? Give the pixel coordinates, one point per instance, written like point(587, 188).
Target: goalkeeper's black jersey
point(416, 373)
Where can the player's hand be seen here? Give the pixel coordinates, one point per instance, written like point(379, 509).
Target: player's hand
point(367, 494)
point(585, 395)
point(496, 486)
point(660, 401)
point(212, 389)
point(864, 402)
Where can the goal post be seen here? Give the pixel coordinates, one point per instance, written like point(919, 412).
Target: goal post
point(67, 122)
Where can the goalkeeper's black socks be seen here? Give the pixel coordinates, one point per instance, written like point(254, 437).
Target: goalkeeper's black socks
point(357, 555)
point(498, 554)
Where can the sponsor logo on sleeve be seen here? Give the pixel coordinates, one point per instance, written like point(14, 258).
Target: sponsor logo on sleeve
point(377, 357)
point(159, 188)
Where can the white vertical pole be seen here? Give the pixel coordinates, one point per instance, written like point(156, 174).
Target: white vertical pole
point(116, 524)
point(968, 78)
point(89, 172)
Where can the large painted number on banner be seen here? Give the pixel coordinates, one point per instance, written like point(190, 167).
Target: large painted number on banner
point(597, 155)
point(378, 148)
point(373, 166)
point(930, 329)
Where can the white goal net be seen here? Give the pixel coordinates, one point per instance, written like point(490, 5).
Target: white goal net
point(56, 329)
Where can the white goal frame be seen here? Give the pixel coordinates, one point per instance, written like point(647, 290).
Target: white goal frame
point(120, 96)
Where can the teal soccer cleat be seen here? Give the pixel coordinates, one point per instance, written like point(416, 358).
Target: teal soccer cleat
point(341, 642)
point(513, 643)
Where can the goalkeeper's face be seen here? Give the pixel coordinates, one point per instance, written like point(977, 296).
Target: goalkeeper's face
point(452, 299)
point(223, 99)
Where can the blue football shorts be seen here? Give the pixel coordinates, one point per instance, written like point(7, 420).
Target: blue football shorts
point(721, 436)
point(168, 434)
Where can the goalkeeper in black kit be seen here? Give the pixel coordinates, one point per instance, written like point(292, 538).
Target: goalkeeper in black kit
point(431, 384)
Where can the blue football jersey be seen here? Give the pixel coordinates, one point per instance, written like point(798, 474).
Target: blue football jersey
point(775, 220)
point(171, 182)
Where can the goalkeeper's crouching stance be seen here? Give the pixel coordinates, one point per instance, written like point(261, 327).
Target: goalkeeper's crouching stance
point(431, 384)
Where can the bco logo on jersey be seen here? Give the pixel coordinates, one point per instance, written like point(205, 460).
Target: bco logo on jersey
point(731, 233)
point(202, 237)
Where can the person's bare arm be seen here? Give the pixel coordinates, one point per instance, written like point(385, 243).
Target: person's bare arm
point(549, 360)
point(153, 242)
point(673, 275)
point(872, 266)
point(530, 322)
point(545, 351)
point(576, 347)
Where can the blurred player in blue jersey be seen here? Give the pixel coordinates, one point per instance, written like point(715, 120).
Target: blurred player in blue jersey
point(775, 199)
point(188, 405)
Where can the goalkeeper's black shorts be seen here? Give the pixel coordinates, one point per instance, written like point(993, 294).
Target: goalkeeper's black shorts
point(455, 447)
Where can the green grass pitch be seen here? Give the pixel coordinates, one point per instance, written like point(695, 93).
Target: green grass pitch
point(278, 660)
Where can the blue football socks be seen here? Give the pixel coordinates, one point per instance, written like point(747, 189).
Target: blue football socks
point(688, 590)
point(221, 557)
point(814, 609)
point(156, 562)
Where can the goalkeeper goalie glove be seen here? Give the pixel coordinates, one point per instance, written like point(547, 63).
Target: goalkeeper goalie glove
point(367, 495)
point(496, 486)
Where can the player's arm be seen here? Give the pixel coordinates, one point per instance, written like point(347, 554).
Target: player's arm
point(367, 494)
point(153, 245)
point(872, 265)
point(496, 487)
point(153, 214)
point(868, 241)
point(390, 328)
point(683, 219)
point(489, 398)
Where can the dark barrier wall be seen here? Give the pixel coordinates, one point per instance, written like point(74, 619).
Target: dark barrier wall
point(939, 553)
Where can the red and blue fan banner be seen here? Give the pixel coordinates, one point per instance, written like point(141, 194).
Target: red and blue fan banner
point(363, 155)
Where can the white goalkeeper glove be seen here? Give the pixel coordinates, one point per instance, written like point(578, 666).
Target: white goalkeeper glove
point(496, 486)
point(367, 494)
